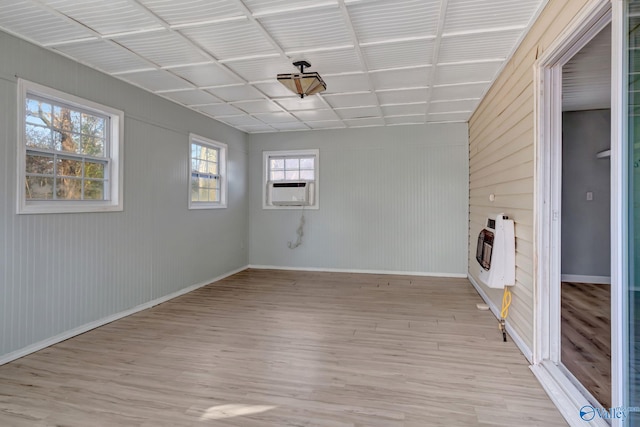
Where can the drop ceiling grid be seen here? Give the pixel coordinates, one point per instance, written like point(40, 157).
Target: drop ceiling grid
point(380, 58)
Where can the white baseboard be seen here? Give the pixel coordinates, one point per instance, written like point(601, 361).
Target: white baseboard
point(577, 278)
point(517, 339)
point(347, 270)
point(100, 322)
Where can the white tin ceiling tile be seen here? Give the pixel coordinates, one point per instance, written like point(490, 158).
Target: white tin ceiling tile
point(466, 105)
point(206, 75)
point(106, 56)
point(462, 73)
point(291, 126)
point(307, 103)
point(449, 117)
point(472, 15)
point(405, 120)
point(358, 113)
point(374, 121)
point(272, 118)
point(261, 69)
point(257, 128)
point(266, 6)
point(405, 109)
point(243, 120)
point(328, 124)
point(273, 89)
point(191, 97)
point(308, 29)
point(348, 83)
point(462, 91)
point(375, 21)
point(189, 11)
point(236, 93)
point(396, 79)
point(163, 48)
point(35, 24)
point(316, 115)
point(155, 80)
point(230, 39)
point(352, 100)
point(396, 55)
point(332, 62)
point(473, 47)
point(406, 96)
point(114, 16)
point(257, 106)
point(220, 110)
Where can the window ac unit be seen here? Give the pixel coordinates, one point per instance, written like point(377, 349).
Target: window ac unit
point(291, 193)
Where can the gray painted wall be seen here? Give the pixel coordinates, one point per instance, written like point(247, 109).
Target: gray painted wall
point(61, 271)
point(391, 199)
point(586, 248)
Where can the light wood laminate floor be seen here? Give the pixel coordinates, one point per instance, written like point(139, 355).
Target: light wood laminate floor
point(586, 336)
point(278, 348)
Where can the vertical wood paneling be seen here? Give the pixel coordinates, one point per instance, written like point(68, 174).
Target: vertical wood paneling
point(62, 271)
point(501, 152)
point(391, 199)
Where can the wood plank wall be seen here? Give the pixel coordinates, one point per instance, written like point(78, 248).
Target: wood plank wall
point(501, 158)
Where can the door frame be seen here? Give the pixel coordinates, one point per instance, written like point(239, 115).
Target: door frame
point(594, 16)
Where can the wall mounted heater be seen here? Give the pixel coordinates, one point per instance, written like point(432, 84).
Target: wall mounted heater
point(496, 252)
point(291, 193)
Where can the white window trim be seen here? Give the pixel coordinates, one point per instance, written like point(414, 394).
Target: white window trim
point(293, 153)
point(116, 123)
point(222, 165)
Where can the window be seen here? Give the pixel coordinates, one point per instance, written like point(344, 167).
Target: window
point(68, 153)
point(207, 179)
point(290, 179)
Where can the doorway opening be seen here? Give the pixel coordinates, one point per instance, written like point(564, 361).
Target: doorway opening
point(585, 221)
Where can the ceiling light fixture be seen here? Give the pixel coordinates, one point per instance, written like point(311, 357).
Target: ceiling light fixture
point(303, 83)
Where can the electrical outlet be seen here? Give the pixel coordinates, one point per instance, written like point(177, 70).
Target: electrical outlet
point(589, 196)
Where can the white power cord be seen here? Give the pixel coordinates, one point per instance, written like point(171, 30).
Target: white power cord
point(300, 232)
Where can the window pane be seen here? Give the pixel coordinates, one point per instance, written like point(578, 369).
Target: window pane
point(212, 154)
point(69, 188)
point(93, 125)
point(39, 164)
point(65, 141)
point(291, 175)
point(277, 176)
point(67, 167)
point(307, 163)
point(292, 163)
point(65, 119)
point(38, 188)
point(38, 112)
point(38, 136)
point(92, 146)
point(307, 175)
point(94, 190)
point(213, 196)
point(203, 194)
point(277, 164)
point(94, 170)
point(194, 165)
point(212, 168)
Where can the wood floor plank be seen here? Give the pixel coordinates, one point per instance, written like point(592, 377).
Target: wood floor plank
point(282, 348)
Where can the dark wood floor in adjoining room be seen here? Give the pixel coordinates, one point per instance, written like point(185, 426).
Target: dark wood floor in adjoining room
point(586, 336)
point(278, 348)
